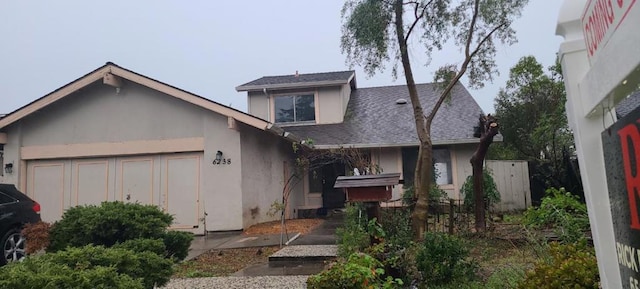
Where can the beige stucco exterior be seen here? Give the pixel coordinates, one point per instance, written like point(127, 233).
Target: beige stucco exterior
point(330, 102)
point(267, 162)
point(100, 137)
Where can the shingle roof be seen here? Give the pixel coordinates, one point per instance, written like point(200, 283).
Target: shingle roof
point(285, 81)
point(374, 119)
point(628, 104)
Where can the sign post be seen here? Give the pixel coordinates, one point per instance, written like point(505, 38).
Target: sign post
point(601, 66)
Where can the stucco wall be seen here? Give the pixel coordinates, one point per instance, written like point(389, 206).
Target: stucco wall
point(222, 184)
point(97, 114)
point(330, 105)
point(265, 160)
point(390, 160)
point(258, 104)
point(460, 161)
point(346, 96)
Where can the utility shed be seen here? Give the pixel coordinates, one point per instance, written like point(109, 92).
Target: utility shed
point(368, 188)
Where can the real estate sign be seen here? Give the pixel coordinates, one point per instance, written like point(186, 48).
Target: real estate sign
point(600, 21)
point(621, 145)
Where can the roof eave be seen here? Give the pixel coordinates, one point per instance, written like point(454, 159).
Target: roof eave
point(114, 69)
point(392, 145)
point(291, 85)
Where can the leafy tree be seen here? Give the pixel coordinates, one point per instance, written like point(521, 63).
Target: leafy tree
point(378, 31)
point(533, 118)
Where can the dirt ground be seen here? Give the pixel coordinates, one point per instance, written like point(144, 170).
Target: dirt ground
point(218, 263)
point(228, 261)
point(302, 226)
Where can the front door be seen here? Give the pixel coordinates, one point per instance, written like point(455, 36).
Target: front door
point(332, 198)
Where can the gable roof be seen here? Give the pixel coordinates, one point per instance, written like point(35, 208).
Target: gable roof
point(373, 119)
point(110, 69)
point(300, 80)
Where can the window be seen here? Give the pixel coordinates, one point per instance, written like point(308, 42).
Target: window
point(442, 166)
point(295, 108)
point(4, 199)
point(315, 181)
point(441, 163)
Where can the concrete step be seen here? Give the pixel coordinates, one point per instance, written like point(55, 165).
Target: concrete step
point(301, 254)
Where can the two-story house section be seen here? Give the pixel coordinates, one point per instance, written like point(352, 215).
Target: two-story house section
point(332, 111)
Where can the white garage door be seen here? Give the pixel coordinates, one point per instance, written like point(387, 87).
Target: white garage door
point(170, 181)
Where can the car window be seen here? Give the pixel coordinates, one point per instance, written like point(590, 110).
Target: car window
point(5, 199)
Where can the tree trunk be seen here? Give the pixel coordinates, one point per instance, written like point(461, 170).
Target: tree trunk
point(422, 177)
point(478, 190)
point(488, 129)
point(421, 183)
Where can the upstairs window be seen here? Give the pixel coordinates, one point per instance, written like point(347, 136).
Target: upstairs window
point(295, 108)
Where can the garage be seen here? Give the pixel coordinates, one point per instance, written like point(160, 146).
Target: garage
point(116, 135)
point(170, 181)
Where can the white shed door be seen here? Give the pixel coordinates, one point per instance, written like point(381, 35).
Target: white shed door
point(170, 181)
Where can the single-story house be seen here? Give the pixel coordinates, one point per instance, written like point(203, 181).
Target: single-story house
point(114, 134)
point(331, 110)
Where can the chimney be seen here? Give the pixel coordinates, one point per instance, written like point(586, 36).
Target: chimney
point(297, 74)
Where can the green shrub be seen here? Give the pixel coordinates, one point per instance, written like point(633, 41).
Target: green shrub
point(397, 253)
point(571, 266)
point(506, 278)
point(150, 268)
point(177, 244)
point(352, 236)
point(358, 271)
point(144, 245)
point(443, 258)
point(491, 193)
point(108, 224)
point(436, 195)
point(40, 273)
point(562, 212)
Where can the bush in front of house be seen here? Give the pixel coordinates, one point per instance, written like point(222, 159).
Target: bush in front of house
point(358, 271)
point(149, 267)
point(108, 224)
point(113, 223)
point(444, 258)
point(144, 245)
point(38, 236)
point(177, 244)
point(74, 270)
point(561, 211)
point(352, 236)
point(489, 187)
point(570, 266)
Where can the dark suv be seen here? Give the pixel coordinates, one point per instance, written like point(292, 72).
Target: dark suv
point(16, 210)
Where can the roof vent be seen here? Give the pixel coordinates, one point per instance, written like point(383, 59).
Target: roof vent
point(401, 101)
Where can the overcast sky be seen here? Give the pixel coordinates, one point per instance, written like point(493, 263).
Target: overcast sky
point(209, 47)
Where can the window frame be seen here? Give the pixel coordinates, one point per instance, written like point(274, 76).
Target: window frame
point(273, 98)
point(3, 194)
point(449, 165)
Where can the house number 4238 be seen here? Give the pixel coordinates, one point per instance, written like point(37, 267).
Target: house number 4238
point(222, 162)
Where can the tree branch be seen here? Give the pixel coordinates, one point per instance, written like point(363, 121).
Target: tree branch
point(418, 17)
point(463, 69)
point(487, 37)
point(471, 29)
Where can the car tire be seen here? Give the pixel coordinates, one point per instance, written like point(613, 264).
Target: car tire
point(13, 246)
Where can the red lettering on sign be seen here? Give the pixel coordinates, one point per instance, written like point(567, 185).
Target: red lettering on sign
point(631, 134)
